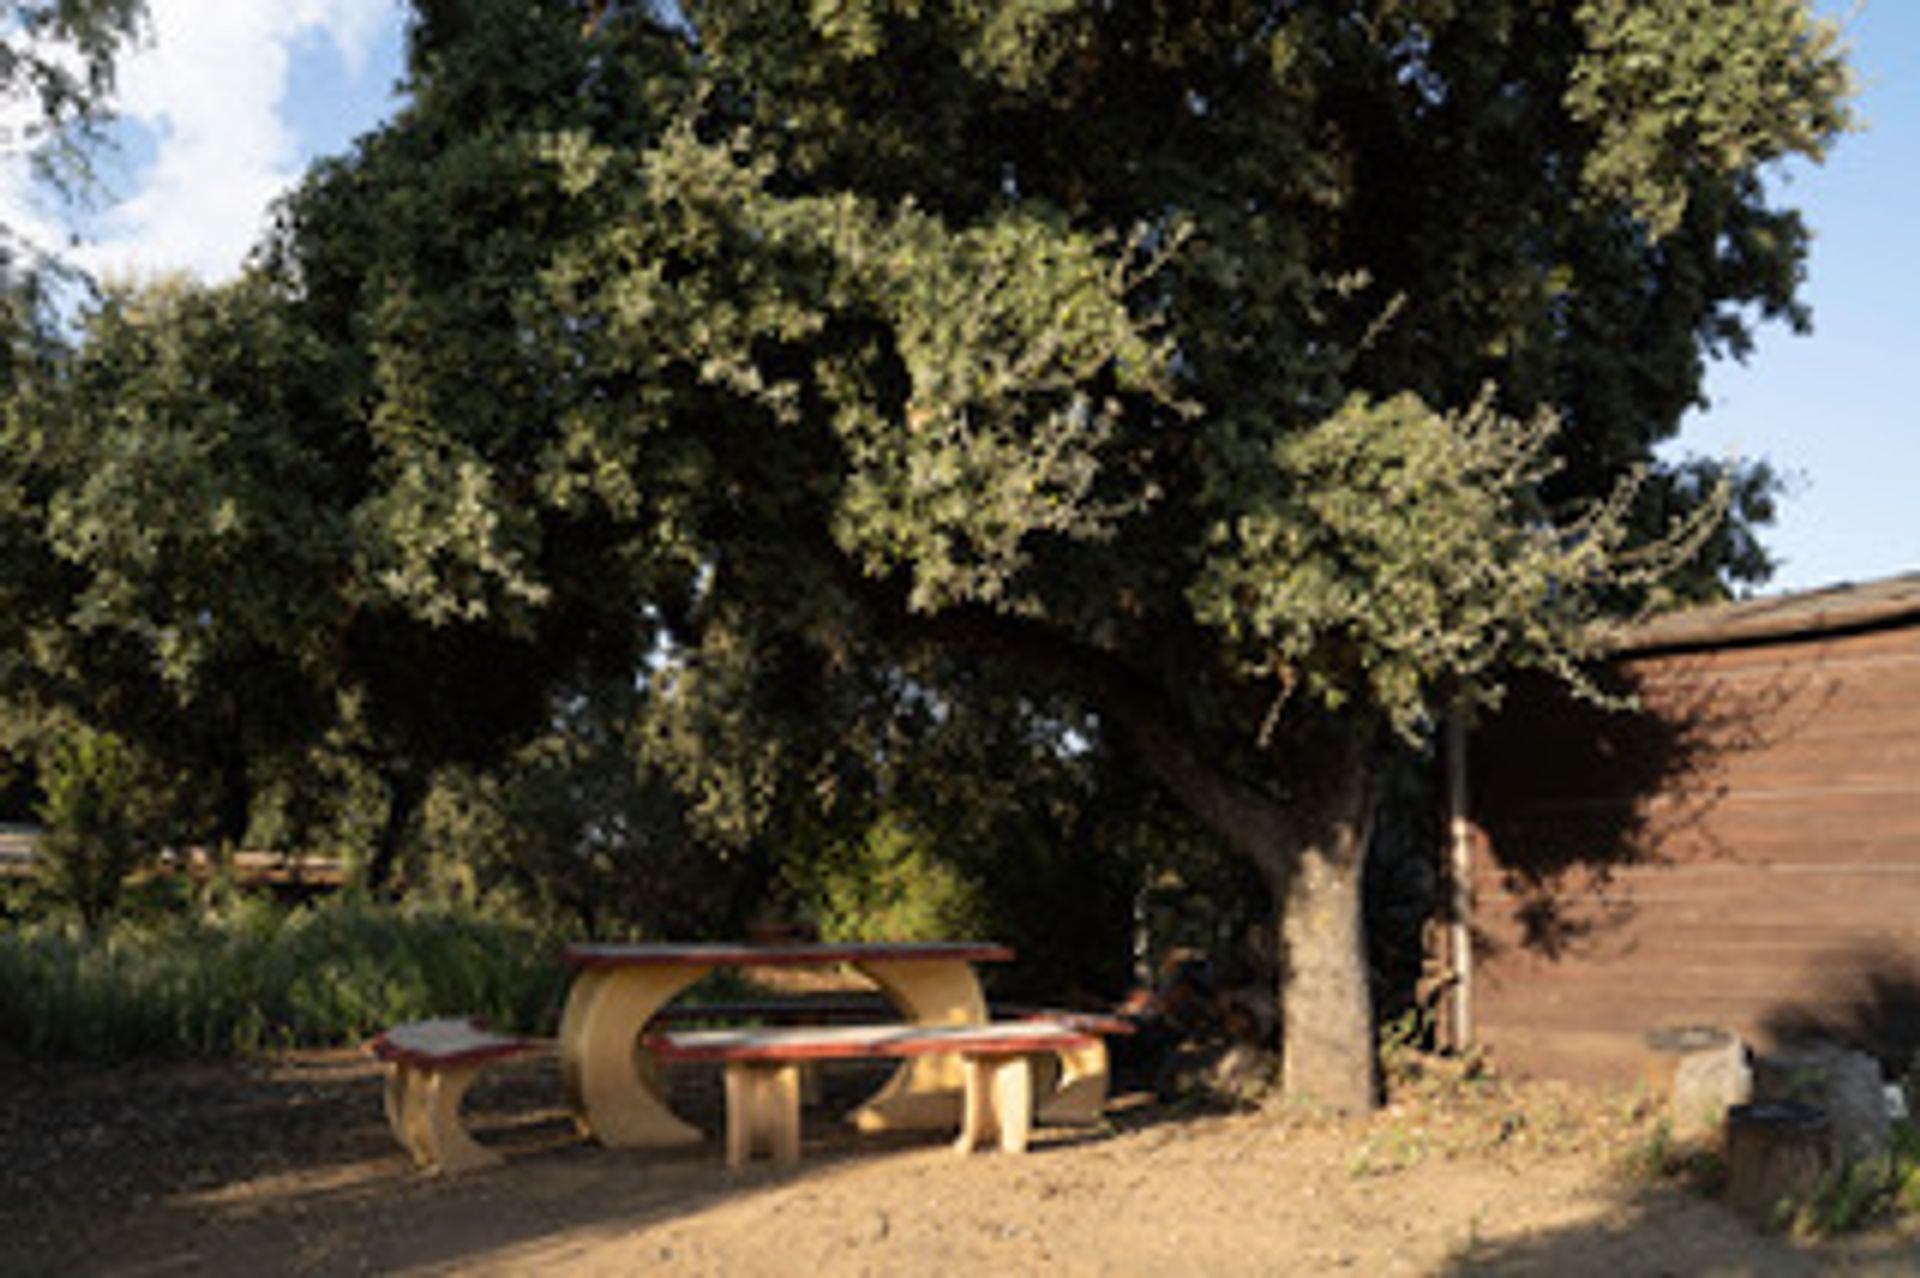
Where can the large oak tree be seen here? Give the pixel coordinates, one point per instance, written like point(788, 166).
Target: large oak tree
point(1224, 386)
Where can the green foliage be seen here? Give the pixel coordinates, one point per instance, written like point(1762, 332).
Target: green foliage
point(253, 977)
point(572, 829)
point(103, 814)
point(1400, 1050)
point(1701, 85)
point(1656, 1155)
point(1392, 554)
point(600, 328)
point(889, 885)
point(1652, 1157)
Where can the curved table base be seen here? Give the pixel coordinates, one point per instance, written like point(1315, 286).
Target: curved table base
point(611, 1080)
point(926, 1091)
point(1072, 1086)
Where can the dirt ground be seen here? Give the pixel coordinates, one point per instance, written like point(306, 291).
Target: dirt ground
point(285, 1167)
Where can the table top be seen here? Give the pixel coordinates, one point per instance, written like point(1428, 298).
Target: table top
point(722, 954)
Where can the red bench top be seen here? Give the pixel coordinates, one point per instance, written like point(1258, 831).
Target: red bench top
point(723, 954)
point(447, 1041)
point(864, 1008)
point(844, 1042)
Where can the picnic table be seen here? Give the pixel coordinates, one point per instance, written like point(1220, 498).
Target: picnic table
point(618, 989)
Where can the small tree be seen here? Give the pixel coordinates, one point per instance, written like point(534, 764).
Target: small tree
point(101, 815)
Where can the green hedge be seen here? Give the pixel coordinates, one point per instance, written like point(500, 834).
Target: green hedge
point(256, 977)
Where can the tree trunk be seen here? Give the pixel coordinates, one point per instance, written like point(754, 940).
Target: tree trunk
point(1307, 835)
point(1325, 999)
point(406, 791)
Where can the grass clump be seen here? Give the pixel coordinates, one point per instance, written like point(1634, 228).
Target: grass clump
point(1864, 1192)
point(250, 976)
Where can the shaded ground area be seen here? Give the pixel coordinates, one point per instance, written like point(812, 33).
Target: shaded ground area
point(285, 1167)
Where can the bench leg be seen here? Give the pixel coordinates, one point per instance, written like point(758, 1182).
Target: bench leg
point(423, 1109)
point(403, 1081)
point(763, 1112)
point(998, 1103)
point(924, 1092)
point(1073, 1089)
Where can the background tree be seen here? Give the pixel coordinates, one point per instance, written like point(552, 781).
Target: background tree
point(57, 62)
point(105, 814)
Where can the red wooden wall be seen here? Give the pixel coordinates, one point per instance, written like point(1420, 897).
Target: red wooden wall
point(1743, 851)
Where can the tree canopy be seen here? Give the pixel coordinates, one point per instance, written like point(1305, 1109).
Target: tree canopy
point(1210, 392)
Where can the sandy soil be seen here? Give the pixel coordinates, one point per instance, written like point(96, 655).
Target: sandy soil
point(285, 1167)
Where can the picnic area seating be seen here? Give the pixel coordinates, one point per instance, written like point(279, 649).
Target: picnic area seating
point(430, 1065)
point(954, 1062)
point(618, 990)
point(763, 1073)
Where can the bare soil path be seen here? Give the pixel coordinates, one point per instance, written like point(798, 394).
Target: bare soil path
point(285, 1167)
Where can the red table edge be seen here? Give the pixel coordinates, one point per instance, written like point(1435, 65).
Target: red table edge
point(652, 954)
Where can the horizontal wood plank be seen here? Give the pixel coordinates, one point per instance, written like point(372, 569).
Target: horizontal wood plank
point(1743, 850)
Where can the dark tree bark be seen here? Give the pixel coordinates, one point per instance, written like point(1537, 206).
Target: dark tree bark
point(406, 791)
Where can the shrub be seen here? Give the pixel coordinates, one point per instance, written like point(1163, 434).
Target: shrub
point(888, 886)
point(101, 815)
point(253, 976)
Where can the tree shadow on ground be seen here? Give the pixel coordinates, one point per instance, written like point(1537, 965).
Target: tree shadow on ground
point(289, 1167)
point(1666, 1232)
point(225, 1167)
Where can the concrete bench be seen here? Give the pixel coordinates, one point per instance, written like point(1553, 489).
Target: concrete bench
point(763, 1073)
point(1071, 1088)
point(1068, 1089)
point(430, 1065)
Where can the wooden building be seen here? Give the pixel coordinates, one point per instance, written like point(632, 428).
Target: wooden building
point(1739, 850)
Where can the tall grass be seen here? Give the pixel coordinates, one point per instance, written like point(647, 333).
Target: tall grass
point(252, 977)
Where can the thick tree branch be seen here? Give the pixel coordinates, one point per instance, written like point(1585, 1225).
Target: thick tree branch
point(1247, 818)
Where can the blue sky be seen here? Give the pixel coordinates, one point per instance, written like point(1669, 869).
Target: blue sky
point(222, 107)
point(1839, 411)
point(234, 97)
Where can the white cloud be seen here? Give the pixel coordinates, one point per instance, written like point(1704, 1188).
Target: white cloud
point(209, 87)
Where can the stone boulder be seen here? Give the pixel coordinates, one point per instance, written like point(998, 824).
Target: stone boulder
point(1844, 1083)
point(1707, 1082)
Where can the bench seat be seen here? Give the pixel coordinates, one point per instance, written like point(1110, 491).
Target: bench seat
point(763, 1065)
point(430, 1065)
